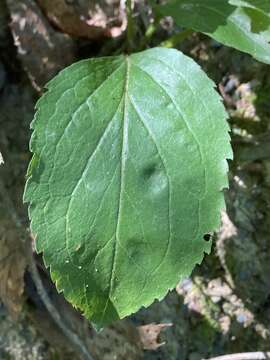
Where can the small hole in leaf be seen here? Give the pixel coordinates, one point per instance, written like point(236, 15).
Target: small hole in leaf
point(207, 237)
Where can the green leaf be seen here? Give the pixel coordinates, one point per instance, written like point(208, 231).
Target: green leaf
point(263, 5)
point(126, 179)
point(226, 23)
point(259, 14)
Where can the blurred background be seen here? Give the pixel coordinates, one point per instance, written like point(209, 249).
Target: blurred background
point(224, 307)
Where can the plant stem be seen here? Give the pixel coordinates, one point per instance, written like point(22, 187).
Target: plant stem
point(150, 31)
point(176, 39)
point(130, 25)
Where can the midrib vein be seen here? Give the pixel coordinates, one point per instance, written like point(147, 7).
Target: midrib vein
point(122, 172)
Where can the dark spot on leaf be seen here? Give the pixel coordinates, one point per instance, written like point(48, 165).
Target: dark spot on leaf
point(155, 179)
point(149, 171)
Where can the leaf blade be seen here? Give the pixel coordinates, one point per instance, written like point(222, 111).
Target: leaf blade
point(223, 21)
point(262, 5)
point(106, 181)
